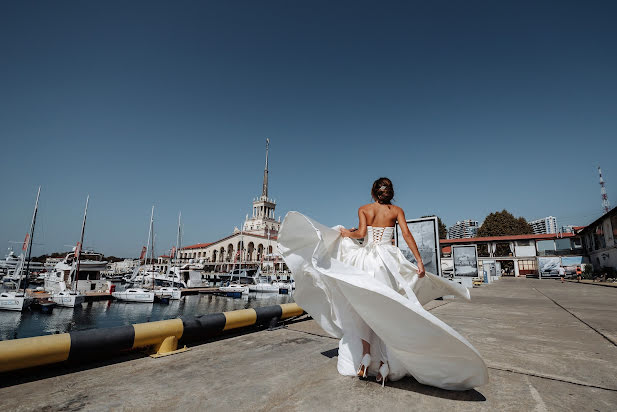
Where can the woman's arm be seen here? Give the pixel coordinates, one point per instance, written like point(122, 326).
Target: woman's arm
point(411, 242)
point(361, 232)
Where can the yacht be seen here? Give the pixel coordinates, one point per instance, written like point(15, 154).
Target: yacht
point(172, 292)
point(68, 298)
point(135, 295)
point(191, 278)
point(244, 276)
point(89, 279)
point(160, 279)
point(263, 284)
point(10, 262)
point(234, 289)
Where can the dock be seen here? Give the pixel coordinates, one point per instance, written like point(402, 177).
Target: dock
point(195, 291)
point(548, 346)
point(89, 296)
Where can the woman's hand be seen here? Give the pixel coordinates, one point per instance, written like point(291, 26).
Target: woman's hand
point(347, 232)
point(421, 271)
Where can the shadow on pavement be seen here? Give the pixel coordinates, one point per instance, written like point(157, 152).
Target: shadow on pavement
point(412, 385)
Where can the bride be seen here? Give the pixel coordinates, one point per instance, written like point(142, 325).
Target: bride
point(370, 297)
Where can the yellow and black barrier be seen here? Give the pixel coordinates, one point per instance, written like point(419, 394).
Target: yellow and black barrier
point(163, 336)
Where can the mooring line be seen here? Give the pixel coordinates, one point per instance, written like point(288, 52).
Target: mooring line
point(552, 378)
point(588, 325)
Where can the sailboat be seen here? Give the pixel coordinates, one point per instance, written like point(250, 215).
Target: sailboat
point(19, 300)
point(140, 294)
point(70, 297)
point(171, 291)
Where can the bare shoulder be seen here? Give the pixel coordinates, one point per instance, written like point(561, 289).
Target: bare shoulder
point(398, 209)
point(366, 207)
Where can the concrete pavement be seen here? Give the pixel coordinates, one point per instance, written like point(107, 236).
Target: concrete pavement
point(549, 347)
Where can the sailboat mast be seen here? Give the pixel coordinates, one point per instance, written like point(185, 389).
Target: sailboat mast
point(80, 246)
point(174, 257)
point(36, 209)
point(152, 250)
point(143, 278)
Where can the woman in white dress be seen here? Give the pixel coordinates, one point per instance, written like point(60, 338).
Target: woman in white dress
point(370, 297)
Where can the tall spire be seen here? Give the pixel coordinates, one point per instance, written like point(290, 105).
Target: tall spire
point(605, 204)
point(264, 191)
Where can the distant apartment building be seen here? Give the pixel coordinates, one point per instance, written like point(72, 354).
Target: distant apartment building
point(545, 225)
point(463, 229)
point(567, 229)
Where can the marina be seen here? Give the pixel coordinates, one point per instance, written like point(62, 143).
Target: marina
point(100, 311)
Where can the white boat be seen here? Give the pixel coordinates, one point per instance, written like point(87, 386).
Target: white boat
point(89, 279)
point(160, 279)
point(172, 292)
point(263, 285)
point(135, 295)
point(17, 301)
point(10, 262)
point(289, 286)
point(235, 288)
point(68, 298)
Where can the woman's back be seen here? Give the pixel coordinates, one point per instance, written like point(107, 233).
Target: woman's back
point(380, 215)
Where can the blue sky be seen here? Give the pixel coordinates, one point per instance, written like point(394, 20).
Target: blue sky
point(469, 107)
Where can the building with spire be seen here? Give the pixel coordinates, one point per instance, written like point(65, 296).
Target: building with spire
point(251, 246)
point(262, 220)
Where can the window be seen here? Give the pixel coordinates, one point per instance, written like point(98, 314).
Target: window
point(598, 237)
point(528, 265)
point(545, 247)
point(563, 244)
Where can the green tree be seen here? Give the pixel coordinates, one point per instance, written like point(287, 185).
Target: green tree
point(443, 232)
point(504, 223)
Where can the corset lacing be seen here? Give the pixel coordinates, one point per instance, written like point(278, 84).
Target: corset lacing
point(379, 235)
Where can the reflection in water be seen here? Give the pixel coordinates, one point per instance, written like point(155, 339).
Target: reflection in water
point(106, 314)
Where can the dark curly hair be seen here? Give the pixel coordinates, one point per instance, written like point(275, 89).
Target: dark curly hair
point(382, 191)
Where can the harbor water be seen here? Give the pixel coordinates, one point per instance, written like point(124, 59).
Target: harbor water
point(111, 313)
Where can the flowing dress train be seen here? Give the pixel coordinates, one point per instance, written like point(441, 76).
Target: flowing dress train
point(372, 292)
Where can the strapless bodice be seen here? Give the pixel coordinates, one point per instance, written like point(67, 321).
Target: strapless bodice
point(379, 235)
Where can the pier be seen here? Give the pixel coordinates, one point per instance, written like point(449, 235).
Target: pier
point(549, 346)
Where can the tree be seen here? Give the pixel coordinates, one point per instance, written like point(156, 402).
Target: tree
point(443, 232)
point(504, 223)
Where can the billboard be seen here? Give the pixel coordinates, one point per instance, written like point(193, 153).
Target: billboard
point(549, 265)
point(465, 259)
point(425, 232)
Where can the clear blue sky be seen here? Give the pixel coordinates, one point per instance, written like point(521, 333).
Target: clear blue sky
point(470, 107)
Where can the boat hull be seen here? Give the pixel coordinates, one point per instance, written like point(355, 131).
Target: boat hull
point(138, 297)
point(172, 294)
point(264, 288)
point(68, 301)
point(15, 303)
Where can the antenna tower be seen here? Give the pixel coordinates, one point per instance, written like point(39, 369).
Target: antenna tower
point(605, 205)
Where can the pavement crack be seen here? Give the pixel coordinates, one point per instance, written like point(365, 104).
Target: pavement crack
point(311, 333)
point(581, 320)
point(443, 304)
point(552, 378)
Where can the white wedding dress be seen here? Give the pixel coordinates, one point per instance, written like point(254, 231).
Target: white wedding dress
point(372, 292)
